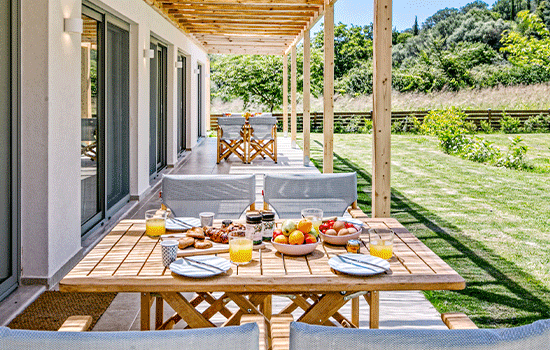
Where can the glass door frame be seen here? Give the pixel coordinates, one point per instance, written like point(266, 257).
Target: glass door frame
point(104, 19)
point(182, 108)
point(12, 282)
point(200, 107)
point(161, 95)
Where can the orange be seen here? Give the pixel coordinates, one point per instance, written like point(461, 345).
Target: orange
point(296, 237)
point(305, 225)
point(281, 239)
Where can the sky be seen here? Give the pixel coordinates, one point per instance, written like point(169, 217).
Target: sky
point(359, 12)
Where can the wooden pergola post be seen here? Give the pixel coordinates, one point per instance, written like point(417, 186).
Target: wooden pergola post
point(381, 160)
point(306, 97)
point(293, 97)
point(328, 120)
point(285, 95)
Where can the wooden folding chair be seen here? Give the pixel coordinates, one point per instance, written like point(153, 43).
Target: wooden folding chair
point(262, 138)
point(231, 138)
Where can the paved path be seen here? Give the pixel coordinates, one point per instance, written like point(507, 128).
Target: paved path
point(403, 309)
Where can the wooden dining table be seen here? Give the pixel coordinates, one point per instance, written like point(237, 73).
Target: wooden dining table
point(127, 260)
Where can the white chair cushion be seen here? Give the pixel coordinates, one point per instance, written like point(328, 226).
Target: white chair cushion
point(533, 336)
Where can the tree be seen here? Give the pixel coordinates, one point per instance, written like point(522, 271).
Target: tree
point(439, 16)
point(415, 26)
point(250, 78)
point(529, 43)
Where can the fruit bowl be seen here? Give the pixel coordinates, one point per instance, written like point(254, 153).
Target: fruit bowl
point(295, 249)
point(341, 240)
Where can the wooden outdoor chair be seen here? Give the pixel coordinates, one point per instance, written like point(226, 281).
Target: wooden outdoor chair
point(231, 138)
point(262, 138)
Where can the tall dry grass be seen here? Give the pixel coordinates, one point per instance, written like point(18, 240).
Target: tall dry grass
point(510, 97)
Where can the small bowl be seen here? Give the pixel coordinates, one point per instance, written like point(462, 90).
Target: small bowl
point(341, 240)
point(295, 249)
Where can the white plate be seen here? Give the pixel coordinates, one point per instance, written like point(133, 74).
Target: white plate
point(173, 225)
point(190, 269)
point(360, 266)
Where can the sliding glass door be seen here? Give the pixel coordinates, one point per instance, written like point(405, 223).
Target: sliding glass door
point(105, 87)
point(182, 115)
point(158, 118)
point(8, 97)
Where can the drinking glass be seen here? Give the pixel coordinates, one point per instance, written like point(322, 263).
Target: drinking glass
point(240, 248)
point(155, 222)
point(381, 242)
point(314, 215)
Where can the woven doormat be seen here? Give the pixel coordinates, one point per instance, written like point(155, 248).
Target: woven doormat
point(51, 309)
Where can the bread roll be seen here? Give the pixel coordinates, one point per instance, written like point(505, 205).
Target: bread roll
point(199, 244)
point(185, 242)
point(196, 232)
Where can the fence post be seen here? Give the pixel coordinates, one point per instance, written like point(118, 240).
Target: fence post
point(489, 116)
point(315, 121)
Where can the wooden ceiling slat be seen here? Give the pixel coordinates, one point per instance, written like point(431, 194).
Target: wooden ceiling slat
point(242, 26)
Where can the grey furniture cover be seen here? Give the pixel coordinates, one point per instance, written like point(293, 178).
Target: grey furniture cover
point(289, 194)
point(226, 338)
point(227, 196)
point(530, 337)
point(231, 127)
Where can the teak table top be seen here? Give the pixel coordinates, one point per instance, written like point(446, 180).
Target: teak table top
point(127, 260)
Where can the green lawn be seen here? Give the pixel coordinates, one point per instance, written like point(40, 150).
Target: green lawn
point(491, 225)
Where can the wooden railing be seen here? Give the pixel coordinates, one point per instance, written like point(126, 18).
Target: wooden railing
point(343, 119)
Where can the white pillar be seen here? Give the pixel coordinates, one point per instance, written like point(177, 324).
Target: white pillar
point(381, 160)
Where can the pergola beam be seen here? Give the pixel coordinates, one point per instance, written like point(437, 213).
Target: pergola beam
point(245, 2)
point(306, 97)
point(381, 160)
point(293, 121)
point(328, 91)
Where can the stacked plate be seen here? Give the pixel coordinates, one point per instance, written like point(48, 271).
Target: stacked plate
point(359, 264)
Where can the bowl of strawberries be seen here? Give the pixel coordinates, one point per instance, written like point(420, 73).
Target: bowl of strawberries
point(339, 232)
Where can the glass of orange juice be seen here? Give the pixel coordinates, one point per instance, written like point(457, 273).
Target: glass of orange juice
point(240, 248)
point(381, 242)
point(155, 222)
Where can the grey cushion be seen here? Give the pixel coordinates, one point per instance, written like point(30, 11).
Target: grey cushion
point(229, 338)
point(533, 336)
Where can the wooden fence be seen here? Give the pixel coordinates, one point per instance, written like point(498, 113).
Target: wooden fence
point(344, 119)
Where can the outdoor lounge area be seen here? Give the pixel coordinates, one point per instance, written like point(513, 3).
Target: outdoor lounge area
point(134, 220)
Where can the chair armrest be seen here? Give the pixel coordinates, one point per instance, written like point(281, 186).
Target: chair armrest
point(76, 324)
point(356, 212)
point(457, 320)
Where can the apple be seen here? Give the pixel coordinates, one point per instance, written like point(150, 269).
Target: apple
point(314, 232)
point(310, 239)
point(277, 232)
point(288, 227)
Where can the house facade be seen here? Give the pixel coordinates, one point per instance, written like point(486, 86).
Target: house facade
point(96, 99)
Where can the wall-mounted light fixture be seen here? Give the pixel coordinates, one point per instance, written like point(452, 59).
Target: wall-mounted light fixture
point(149, 53)
point(73, 25)
point(179, 64)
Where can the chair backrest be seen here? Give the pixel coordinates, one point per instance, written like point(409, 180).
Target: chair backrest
point(289, 194)
point(262, 127)
point(241, 337)
point(231, 127)
point(225, 195)
point(533, 336)
point(266, 115)
point(236, 115)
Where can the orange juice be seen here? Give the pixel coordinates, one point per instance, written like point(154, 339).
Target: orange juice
point(381, 248)
point(240, 250)
point(155, 227)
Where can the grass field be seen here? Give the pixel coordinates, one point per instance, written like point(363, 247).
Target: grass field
point(510, 97)
point(492, 225)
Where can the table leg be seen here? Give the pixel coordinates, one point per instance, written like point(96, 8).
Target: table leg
point(355, 311)
point(373, 298)
point(159, 312)
point(145, 311)
point(267, 307)
point(193, 318)
point(323, 309)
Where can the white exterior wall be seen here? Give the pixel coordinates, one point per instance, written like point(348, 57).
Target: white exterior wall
point(50, 121)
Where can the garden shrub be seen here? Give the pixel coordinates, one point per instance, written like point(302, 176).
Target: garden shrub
point(515, 158)
point(510, 125)
point(367, 128)
point(438, 121)
point(352, 126)
point(538, 123)
point(408, 124)
point(486, 127)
